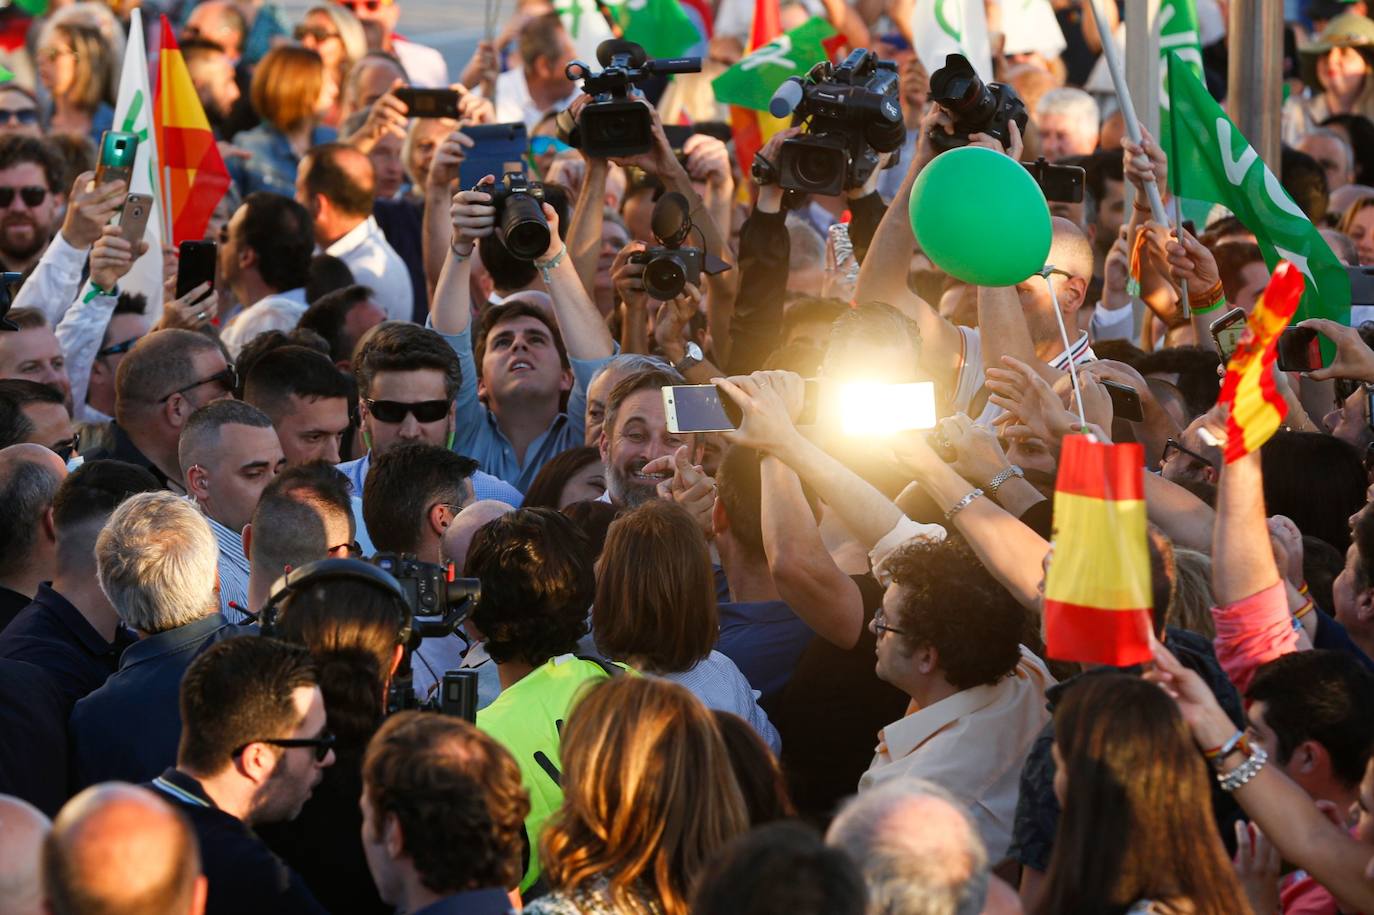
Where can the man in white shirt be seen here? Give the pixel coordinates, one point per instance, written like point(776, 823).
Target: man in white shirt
point(424, 65)
point(336, 184)
point(539, 85)
point(264, 259)
point(949, 637)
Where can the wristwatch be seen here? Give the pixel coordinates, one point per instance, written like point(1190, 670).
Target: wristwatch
point(996, 482)
point(691, 360)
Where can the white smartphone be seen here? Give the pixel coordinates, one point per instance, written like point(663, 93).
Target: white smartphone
point(695, 408)
point(880, 409)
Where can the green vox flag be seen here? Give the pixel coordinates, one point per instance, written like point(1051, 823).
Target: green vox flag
point(1211, 160)
point(752, 82)
point(33, 7)
point(660, 27)
point(1179, 34)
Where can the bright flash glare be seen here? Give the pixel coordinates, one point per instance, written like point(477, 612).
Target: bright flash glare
point(869, 408)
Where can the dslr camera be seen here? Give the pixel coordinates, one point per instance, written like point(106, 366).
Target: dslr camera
point(520, 215)
point(852, 114)
point(975, 106)
point(669, 266)
point(613, 123)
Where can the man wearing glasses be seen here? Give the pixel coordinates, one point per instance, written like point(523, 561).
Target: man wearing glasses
point(1188, 459)
point(19, 112)
point(424, 65)
point(30, 200)
point(254, 746)
point(166, 377)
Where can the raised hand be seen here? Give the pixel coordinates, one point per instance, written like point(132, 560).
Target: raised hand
point(89, 207)
point(112, 256)
point(474, 216)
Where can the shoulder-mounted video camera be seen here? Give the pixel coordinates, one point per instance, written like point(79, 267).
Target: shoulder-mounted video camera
point(613, 123)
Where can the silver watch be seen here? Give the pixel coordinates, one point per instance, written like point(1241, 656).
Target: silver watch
point(996, 482)
point(690, 360)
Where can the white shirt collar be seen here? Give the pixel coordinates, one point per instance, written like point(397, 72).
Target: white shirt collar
point(355, 238)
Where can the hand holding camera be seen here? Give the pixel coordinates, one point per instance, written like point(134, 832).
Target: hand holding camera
point(474, 217)
point(627, 274)
point(708, 160)
point(617, 124)
point(1354, 360)
point(672, 319)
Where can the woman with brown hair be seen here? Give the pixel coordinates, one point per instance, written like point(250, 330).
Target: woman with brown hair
point(648, 800)
point(290, 94)
point(77, 67)
point(1137, 833)
point(656, 610)
point(332, 31)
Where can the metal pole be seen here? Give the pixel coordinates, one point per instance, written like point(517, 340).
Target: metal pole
point(1255, 74)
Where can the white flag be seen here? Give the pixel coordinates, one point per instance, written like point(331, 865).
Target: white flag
point(1030, 26)
point(942, 27)
point(134, 114)
point(586, 25)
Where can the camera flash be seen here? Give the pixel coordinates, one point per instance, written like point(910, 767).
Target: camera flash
point(869, 408)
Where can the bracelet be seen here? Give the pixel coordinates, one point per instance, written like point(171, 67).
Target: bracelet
point(1247, 770)
point(1202, 298)
point(548, 266)
point(1304, 610)
point(1217, 754)
point(1304, 589)
point(996, 482)
point(459, 256)
point(962, 504)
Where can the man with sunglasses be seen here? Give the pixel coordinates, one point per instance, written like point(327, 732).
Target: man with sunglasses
point(1188, 459)
point(30, 200)
point(164, 378)
point(424, 65)
point(254, 746)
point(19, 112)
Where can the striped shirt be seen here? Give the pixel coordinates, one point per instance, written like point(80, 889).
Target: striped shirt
point(233, 572)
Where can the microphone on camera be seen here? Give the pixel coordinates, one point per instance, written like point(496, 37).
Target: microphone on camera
point(787, 97)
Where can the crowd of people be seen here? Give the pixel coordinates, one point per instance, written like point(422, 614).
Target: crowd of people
point(775, 669)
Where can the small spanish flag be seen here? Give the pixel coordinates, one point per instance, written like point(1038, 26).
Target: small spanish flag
point(1097, 589)
point(1257, 407)
point(193, 174)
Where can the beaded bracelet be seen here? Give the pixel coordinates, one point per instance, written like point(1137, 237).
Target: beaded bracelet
point(1247, 770)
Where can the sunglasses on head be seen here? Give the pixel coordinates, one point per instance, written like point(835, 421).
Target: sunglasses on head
point(394, 411)
point(21, 116)
point(371, 6)
point(319, 33)
point(31, 194)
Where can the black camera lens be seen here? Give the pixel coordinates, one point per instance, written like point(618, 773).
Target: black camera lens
point(524, 230)
point(819, 166)
point(664, 277)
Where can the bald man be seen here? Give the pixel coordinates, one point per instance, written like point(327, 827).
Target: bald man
point(465, 524)
point(29, 477)
point(116, 849)
point(336, 184)
point(22, 828)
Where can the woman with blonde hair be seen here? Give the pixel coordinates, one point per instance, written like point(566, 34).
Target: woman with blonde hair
point(1358, 225)
point(290, 93)
point(77, 66)
point(648, 799)
point(334, 33)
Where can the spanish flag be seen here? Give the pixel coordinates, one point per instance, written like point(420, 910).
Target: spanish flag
point(193, 174)
point(752, 129)
point(1257, 407)
point(1097, 589)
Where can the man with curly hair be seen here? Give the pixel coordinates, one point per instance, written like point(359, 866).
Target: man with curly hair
point(949, 637)
point(443, 810)
point(535, 567)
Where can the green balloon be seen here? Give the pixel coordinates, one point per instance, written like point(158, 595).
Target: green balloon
point(980, 217)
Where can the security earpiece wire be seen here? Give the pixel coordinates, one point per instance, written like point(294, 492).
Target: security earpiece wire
point(1047, 272)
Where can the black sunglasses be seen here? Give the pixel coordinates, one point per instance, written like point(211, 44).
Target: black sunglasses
point(32, 194)
point(24, 116)
point(117, 348)
point(1171, 445)
point(322, 744)
point(394, 411)
point(314, 31)
point(226, 378)
point(66, 448)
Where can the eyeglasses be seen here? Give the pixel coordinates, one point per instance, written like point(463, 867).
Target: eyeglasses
point(394, 411)
point(116, 348)
point(322, 744)
point(1172, 445)
point(19, 116)
point(540, 146)
point(33, 195)
point(353, 547)
point(65, 449)
point(880, 626)
point(371, 6)
point(318, 33)
point(226, 378)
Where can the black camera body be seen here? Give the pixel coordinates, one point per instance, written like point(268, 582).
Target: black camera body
point(853, 115)
point(520, 215)
point(667, 270)
point(975, 106)
point(614, 123)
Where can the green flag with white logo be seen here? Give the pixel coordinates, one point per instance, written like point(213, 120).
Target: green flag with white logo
point(660, 27)
point(1209, 159)
point(752, 82)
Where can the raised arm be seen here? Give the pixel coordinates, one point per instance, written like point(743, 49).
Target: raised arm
point(437, 229)
point(472, 218)
point(583, 328)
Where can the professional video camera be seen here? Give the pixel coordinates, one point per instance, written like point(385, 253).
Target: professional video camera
point(520, 215)
point(613, 123)
point(852, 115)
point(975, 106)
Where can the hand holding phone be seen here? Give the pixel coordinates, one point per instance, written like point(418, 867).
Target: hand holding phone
point(1299, 350)
point(195, 265)
point(117, 153)
point(133, 217)
point(1354, 359)
point(1227, 331)
point(1126, 402)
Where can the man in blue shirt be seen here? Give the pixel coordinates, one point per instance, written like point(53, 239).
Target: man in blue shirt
point(407, 380)
point(70, 630)
point(443, 809)
point(510, 411)
point(156, 560)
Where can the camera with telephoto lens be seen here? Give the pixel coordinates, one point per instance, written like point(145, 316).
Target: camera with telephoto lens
point(613, 123)
point(520, 215)
point(670, 266)
point(975, 106)
point(852, 115)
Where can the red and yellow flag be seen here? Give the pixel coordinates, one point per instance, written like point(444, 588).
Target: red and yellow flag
point(194, 178)
point(1257, 407)
point(1097, 590)
point(752, 128)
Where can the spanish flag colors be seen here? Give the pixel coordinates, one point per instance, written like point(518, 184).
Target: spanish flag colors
point(1097, 589)
point(1257, 407)
point(193, 174)
point(752, 129)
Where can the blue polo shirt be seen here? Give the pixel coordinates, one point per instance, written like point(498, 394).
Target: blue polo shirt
point(473, 902)
point(765, 639)
point(52, 634)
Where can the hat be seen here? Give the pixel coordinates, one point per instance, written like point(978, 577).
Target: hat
point(1326, 10)
point(1348, 30)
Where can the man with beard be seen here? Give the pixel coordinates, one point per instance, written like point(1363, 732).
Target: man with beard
point(30, 199)
point(253, 747)
point(637, 449)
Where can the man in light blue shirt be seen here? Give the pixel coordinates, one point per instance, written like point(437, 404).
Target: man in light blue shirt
point(228, 453)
